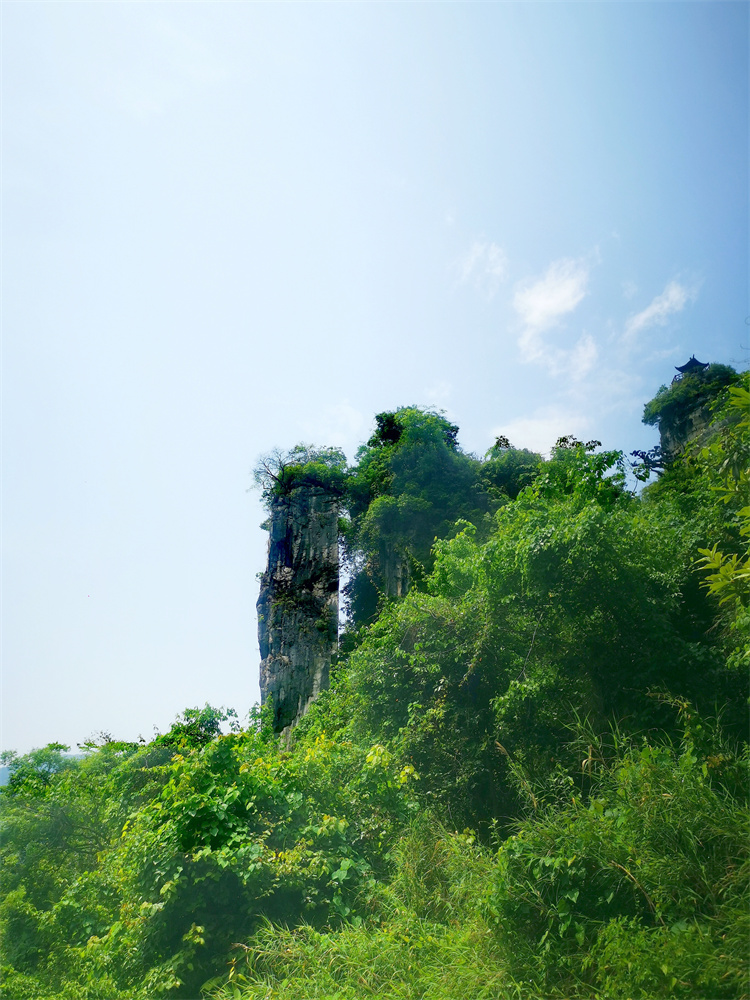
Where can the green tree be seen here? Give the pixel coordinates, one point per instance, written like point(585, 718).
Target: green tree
point(279, 472)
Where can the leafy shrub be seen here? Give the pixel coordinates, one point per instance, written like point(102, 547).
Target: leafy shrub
point(648, 871)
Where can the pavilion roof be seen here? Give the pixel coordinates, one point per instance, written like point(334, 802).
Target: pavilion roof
point(692, 366)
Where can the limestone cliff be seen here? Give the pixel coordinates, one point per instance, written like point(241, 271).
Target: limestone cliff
point(298, 603)
point(395, 577)
point(684, 410)
point(694, 427)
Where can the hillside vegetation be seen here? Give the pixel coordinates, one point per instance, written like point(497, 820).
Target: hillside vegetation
point(528, 778)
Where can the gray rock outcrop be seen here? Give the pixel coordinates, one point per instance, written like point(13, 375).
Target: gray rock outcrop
point(298, 602)
point(695, 427)
point(394, 573)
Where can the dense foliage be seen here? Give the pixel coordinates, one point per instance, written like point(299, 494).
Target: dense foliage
point(528, 779)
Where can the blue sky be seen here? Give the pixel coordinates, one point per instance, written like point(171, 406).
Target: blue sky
point(229, 227)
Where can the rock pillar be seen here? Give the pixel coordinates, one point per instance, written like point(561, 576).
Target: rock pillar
point(299, 602)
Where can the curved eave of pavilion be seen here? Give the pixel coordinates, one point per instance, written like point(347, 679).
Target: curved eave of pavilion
point(692, 365)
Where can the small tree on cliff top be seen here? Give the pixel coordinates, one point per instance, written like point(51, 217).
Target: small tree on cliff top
point(279, 472)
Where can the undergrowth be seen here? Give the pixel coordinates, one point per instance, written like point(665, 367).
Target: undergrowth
point(633, 891)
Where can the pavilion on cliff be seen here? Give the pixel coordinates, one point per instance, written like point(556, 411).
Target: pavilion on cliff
point(690, 368)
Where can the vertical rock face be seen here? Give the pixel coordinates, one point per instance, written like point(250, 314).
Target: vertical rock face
point(395, 573)
point(298, 603)
point(694, 427)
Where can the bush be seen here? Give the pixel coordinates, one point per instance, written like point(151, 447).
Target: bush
point(636, 889)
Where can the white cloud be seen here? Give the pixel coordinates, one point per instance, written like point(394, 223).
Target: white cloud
point(540, 431)
point(629, 289)
point(541, 304)
point(582, 358)
point(485, 266)
point(575, 361)
point(672, 300)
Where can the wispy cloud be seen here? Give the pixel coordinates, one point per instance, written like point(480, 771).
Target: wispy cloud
point(672, 300)
point(485, 266)
point(539, 431)
point(541, 304)
point(582, 357)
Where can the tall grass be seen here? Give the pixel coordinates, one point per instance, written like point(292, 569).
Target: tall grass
point(405, 958)
point(427, 938)
point(635, 890)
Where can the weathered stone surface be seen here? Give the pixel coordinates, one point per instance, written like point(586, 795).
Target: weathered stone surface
point(694, 428)
point(298, 602)
point(394, 573)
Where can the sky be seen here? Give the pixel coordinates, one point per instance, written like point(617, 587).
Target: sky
point(229, 227)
